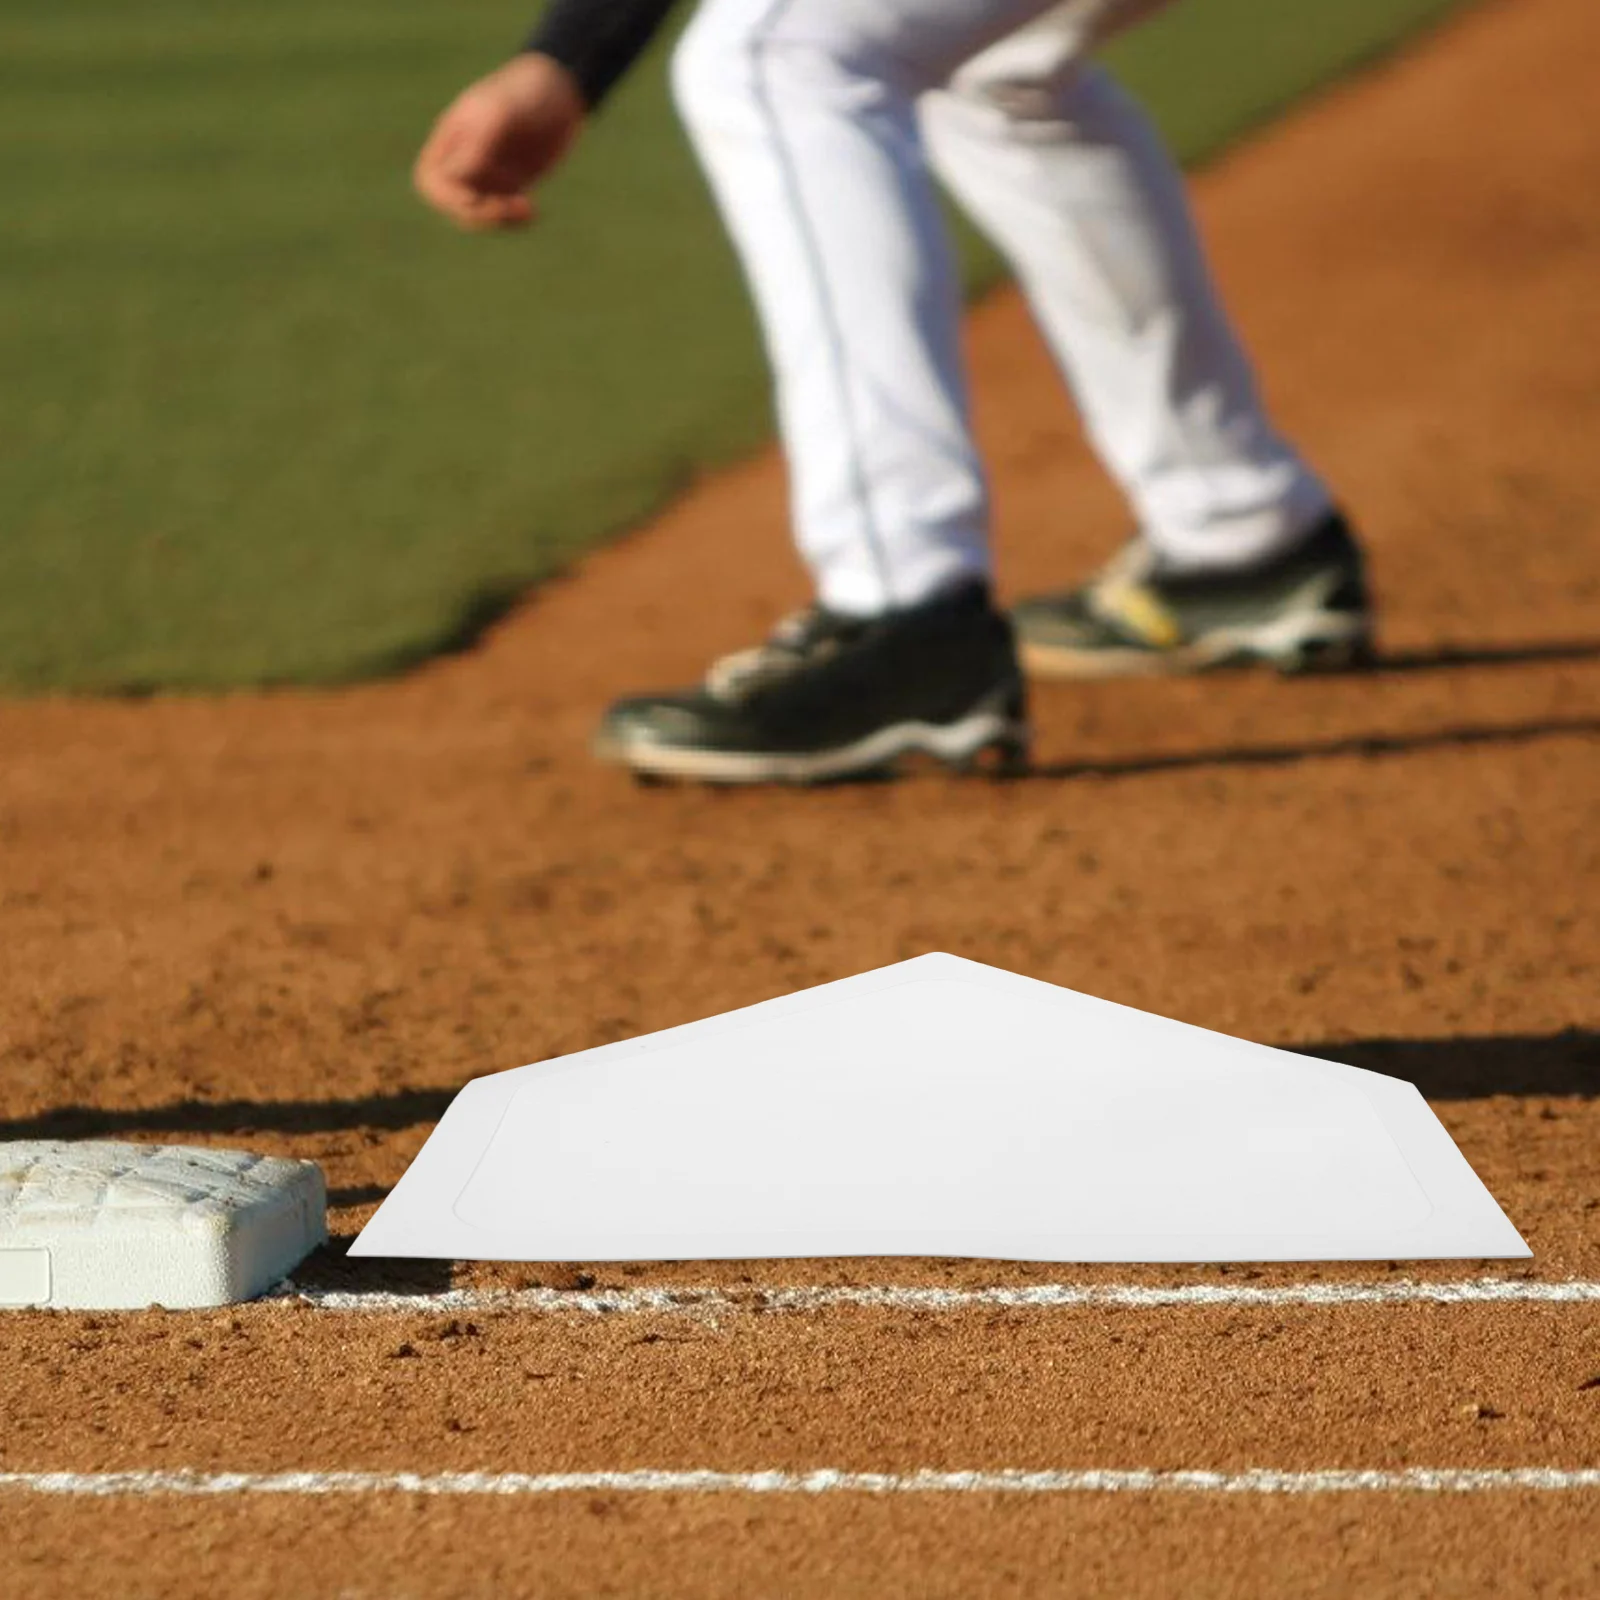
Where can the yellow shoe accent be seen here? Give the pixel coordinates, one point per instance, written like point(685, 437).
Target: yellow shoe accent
point(1139, 610)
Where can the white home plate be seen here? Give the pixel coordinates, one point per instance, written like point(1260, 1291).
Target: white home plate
point(935, 1108)
point(108, 1226)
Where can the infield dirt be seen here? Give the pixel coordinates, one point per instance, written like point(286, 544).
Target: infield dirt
point(300, 921)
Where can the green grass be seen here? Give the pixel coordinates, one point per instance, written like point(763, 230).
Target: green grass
point(262, 419)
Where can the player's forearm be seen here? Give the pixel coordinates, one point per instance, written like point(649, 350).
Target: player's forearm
point(597, 40)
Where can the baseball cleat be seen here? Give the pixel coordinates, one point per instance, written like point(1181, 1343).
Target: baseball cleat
point(1308, 610)
point(829, 696)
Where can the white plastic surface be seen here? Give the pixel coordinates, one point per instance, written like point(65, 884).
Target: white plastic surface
point(939, 1107)
point(100, 1225)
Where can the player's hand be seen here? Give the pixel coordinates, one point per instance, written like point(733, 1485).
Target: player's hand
point(497, 139)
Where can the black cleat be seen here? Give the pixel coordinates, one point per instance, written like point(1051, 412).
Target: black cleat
point(829, 696)
point(1308, 610)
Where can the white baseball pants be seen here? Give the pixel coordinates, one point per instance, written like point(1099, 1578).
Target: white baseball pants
point(816, 122)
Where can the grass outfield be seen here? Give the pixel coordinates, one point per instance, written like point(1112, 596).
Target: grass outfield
point(264, 420)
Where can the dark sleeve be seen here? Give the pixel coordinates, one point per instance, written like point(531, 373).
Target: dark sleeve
point(597, 40)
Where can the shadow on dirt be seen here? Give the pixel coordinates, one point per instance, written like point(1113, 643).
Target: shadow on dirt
point(405, 1108)
point(1566, 1063)
point(1507, 655)
point(330, 1271)
point(1365, 745)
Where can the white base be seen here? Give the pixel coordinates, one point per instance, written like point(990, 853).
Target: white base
point(939, 1107)
point(108, 1226)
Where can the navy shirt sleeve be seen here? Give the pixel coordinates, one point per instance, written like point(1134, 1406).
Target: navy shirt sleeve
point(598, 40)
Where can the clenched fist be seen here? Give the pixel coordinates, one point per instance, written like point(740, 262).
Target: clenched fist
point(497, 139)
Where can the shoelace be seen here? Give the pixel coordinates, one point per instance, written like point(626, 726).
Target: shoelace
point(794, 639)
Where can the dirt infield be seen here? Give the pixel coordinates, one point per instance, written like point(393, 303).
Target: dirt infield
point(301, 921)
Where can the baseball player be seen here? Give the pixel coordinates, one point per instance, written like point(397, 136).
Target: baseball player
point(819, 124)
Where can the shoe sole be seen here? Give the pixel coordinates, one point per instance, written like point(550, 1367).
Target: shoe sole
point(1322, 642)
point(988, 730)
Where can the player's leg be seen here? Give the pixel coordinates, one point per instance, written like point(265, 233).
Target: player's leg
point(1241, 554)
point(803, 114)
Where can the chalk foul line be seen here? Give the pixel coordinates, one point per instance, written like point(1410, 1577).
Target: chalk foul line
point(827, 1480)
point(1039, 1296)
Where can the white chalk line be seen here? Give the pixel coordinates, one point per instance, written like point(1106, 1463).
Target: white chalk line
point(827, 1480)
point(1038, 1296)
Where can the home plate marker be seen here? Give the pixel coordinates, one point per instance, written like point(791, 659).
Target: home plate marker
point(105, 1226)
point(939, 1107)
